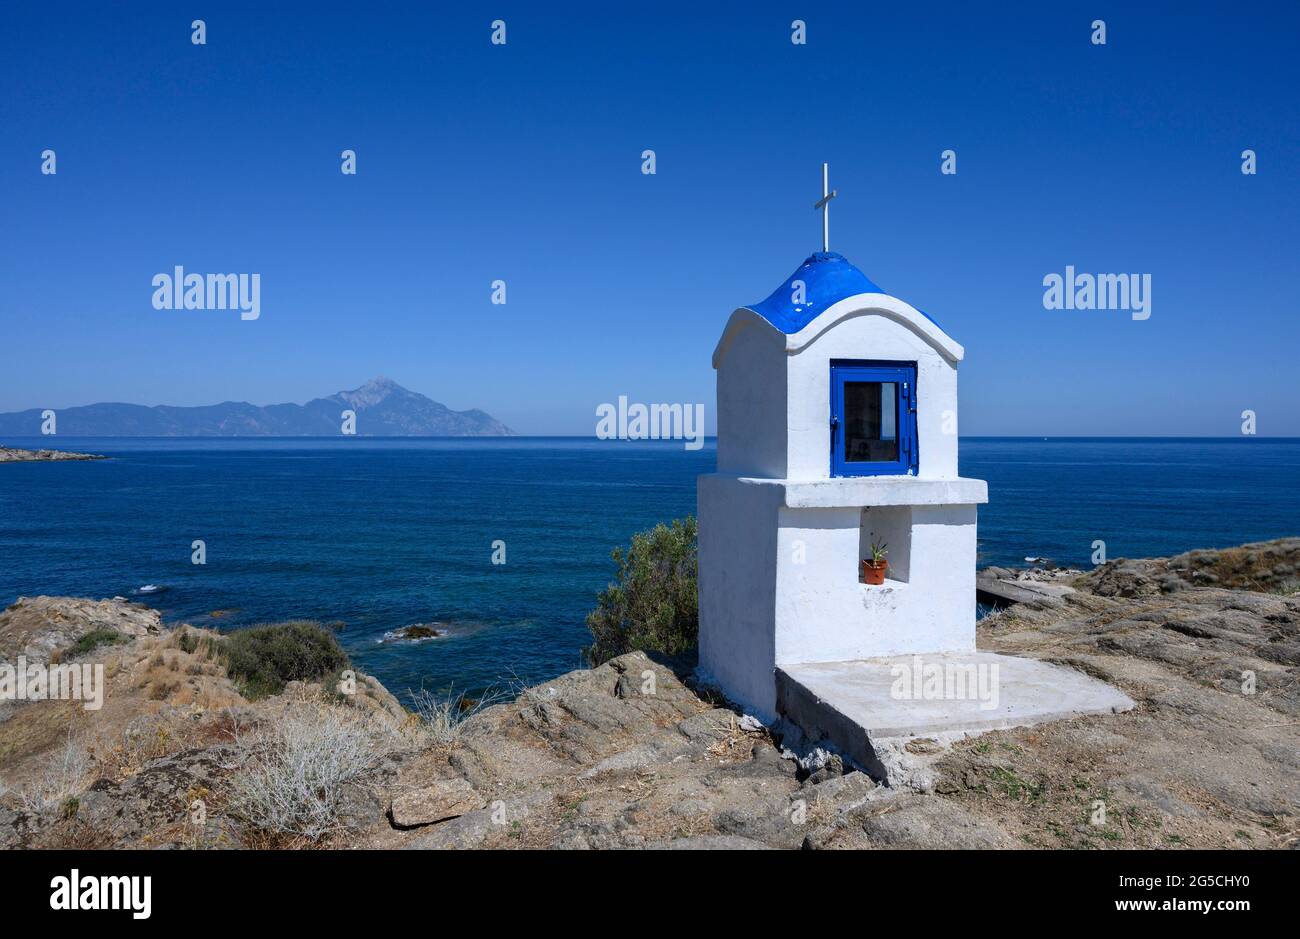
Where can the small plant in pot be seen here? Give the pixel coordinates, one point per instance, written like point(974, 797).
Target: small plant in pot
point(874, 567)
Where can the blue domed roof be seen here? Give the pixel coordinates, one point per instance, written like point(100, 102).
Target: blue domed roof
point(827, 278)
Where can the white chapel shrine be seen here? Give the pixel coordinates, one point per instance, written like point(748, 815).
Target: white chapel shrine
point(837, 431)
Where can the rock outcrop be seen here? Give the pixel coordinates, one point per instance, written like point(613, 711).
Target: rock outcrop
point(632, 755)
point(440, 800)
point(37, 626)
point(18, 455)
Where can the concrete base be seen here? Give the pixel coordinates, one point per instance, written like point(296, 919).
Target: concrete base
point(865, 707)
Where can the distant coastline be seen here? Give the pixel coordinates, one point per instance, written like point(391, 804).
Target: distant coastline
point(379, 408)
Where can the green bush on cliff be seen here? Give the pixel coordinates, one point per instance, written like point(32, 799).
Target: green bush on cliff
point(93, 640)
point(261, 660)
point(653, 605)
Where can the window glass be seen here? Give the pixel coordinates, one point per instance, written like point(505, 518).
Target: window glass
point(870, 422)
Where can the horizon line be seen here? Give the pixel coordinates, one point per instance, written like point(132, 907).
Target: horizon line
point(669, 440)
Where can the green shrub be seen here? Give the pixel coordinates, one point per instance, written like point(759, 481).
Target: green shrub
point(653, 606)
point(94, 639)
point(261, 660)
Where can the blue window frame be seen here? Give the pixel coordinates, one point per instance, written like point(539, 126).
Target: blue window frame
point(873, 418)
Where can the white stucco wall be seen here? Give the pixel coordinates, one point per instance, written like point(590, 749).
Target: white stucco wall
point(824, 615)
point(737, 590)
point(872, 336)
point(778, 584)
point(774, 390)
point(752, 405)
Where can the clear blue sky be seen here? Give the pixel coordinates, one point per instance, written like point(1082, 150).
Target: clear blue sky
point(522, 162)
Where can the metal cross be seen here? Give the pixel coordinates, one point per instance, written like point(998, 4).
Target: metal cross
point(824, 204)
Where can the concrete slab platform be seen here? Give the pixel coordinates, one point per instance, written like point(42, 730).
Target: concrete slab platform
point(1001, 591)
point(856, 705)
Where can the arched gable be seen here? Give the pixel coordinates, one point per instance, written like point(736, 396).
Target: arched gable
point(864, 304)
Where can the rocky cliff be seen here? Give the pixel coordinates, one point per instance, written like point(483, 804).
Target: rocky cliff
point(632, 755)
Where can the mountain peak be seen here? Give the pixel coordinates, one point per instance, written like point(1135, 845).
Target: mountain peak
point(372, 392)
point(380, 383)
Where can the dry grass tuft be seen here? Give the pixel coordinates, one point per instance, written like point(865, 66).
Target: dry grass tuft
point(63, 777)
point(182, 668)
point(442, 716)
point(297, 766)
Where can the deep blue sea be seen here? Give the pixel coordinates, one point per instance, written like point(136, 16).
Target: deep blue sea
point(381, 534)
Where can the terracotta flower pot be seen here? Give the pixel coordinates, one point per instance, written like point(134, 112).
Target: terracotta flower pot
point(874, 573)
